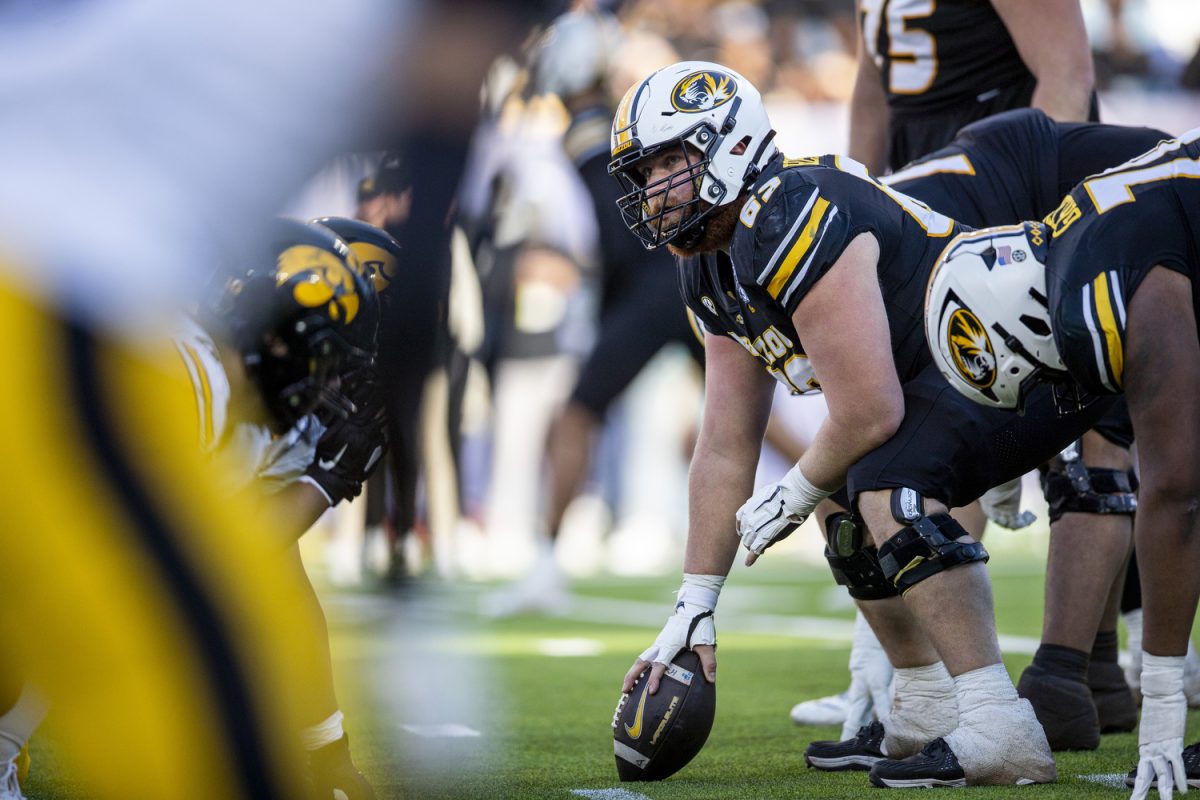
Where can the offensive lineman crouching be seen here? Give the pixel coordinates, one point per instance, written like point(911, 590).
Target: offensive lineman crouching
point(778, 252)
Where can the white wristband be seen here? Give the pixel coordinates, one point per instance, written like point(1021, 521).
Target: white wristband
point(700, 590)
point(803, 488)
point(1162, 676)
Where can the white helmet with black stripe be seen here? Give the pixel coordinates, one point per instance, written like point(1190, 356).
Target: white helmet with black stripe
point(986, 317)
point(715, 111)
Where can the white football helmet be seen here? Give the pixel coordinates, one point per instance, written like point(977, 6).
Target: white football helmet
point(574, 54)
point(986, 317)
point(707, 106)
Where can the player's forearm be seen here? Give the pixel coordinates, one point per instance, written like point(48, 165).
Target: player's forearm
point(1052, 41)
point(303, 505)
point(869, 120)
point(1066, 100)
point(718, 484)
point(839, 444)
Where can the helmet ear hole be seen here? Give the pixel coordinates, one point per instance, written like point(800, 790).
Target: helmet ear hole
point(1037, 326)
point(740, 147)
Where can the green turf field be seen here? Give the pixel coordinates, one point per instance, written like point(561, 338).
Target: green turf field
point(442, 703)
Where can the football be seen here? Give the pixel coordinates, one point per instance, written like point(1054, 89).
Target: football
point(656, 735)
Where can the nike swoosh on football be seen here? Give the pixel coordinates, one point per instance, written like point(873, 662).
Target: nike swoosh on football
point(636, 731)
point(333, 462)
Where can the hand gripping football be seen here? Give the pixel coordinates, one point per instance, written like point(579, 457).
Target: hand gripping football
point(656, 735)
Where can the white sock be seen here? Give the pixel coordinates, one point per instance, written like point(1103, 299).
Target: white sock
point(19, 722)
point(1133, 624)
point(980, 688)
point(323, 733)
point(924, 707)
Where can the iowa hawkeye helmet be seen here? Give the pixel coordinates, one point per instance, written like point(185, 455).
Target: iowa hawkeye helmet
point(986, 317)
point(718, 116)
point(300, 314)
point(378, 253)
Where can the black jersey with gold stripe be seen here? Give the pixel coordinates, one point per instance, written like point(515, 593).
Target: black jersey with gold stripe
point(1017, 165)
point(799, 218)
point(1109, 232)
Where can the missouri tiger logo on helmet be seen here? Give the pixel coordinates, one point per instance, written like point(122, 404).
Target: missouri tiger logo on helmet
point(986, 317)
point(703, 91)
point(716, 120)
point(971, 348)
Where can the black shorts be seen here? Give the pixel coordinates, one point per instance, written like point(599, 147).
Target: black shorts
point(1116, 426)
point(634, 326)
point(952, 449)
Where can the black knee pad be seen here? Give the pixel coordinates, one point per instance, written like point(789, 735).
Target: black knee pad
point(855, 564)
point(1073, 486)
point(925, 547)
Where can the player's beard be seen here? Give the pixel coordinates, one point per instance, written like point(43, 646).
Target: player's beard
point(717, 233)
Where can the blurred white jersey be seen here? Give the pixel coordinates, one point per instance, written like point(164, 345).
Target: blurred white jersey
point(142, 137)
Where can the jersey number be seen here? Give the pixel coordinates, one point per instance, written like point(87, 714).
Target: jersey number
point(912, 52)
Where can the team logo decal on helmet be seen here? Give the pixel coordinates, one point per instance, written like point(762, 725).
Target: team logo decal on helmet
point(971, 348)
point(325, 279)
point(703, 91)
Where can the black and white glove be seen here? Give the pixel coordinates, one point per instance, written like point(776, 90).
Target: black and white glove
point(350, 448)
point(692, 622)
point(1002, 505)
point(775, 510)
point(1160, 735)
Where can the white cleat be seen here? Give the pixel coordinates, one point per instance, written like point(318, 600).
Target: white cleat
point(829, 710)
point(542, 591)
point(1006, 747)
point(10, 787)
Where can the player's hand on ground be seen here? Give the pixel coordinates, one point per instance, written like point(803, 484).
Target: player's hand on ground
point(1160, 734)
point(1002, 505)
point(775, 510)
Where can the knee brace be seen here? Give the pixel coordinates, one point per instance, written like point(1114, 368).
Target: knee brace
point(855, 565)
point(925, 545)
point(1073, 486)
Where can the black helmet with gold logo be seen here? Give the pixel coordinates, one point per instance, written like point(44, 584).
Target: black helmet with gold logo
point(303, 317)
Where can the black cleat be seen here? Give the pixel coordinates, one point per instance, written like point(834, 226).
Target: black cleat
point(1064, 707)
point(1191, 768)
point(935, 765)
point(860, 753)
point(1115, 707)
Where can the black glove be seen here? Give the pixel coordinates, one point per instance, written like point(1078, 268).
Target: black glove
point(350, 448)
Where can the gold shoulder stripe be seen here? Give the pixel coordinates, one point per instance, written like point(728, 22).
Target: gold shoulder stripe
point(203, 390)
point(799, 249)
point(1115, 351)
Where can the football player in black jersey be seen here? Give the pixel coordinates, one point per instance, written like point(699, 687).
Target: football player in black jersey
point(1120, 292)
point(927, 68)
point(1013, 166)
point(816, 272)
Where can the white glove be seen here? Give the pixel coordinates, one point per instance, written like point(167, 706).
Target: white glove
point(1002, 505)
point(1160, 735)
point(777, 509)
point(870, 692)
point(692, 622)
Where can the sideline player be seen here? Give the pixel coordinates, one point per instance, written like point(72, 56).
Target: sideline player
point(1120, 290)
point(639, 312)
point(926, 69)
point(777, 250)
